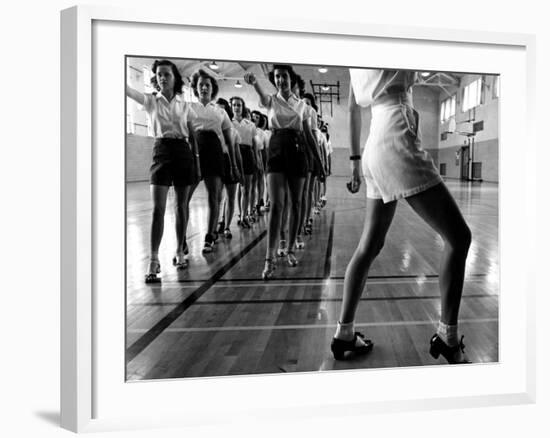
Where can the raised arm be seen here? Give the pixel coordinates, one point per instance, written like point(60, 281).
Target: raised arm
point(251, 79)
point(134, 94)
point(355, 141)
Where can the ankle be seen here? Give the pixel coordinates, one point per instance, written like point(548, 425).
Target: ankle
point(345, 331)
point(448, 333)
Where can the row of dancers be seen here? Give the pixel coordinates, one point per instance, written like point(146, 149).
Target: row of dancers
point(225, 144)
point(194, 141)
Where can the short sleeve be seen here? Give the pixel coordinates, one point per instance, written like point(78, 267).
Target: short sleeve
point(148, 102)
point(226, 123)
point(269, 102)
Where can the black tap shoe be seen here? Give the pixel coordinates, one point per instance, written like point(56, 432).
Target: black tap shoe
point(339, 346)
point(439, 347)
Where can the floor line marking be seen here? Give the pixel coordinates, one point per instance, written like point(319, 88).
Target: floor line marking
point(310, 300)
point(314, 326)
point(327, 282)
point(150, 335)
point(371, 277)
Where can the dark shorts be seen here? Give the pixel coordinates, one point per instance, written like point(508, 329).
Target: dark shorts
point(173, 163)
point(211, 154)
point(287, 153)
point(247, 155)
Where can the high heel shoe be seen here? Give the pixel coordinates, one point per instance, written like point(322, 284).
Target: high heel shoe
point(269, 269)
point(291, 258)
point(179, 261)
point(439, 347)
point(339, 346)
point(154, 269)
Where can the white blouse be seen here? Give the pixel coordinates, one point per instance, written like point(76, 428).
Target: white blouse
point(261, 139)
point(285, 114)
point(247, 131)
point(168, 119)
point(370, 84)
point(209, 117)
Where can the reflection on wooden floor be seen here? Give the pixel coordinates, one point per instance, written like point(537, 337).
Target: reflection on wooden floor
point(219, 318)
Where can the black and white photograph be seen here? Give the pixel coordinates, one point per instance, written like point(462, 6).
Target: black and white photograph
point(289, 218)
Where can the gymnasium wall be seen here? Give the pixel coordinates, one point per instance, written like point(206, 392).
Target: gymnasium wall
point(426, 100)
point(486, 144)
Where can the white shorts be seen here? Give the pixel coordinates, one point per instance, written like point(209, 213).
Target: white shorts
point(394, 164)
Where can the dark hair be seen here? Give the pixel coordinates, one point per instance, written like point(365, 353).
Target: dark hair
point(301, 85)
point(311, 99)
point(178, 80)
point(221, 101)
point(286, 67)
point(262, 123)
point(245, 109)
point(202, 74)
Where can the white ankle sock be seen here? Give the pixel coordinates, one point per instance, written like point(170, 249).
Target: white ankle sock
point(449, 334)
point(345, 331)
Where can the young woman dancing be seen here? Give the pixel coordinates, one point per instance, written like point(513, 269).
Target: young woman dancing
point(286, 165)
point(394, 167)
point(174, 159)
point(212, 129)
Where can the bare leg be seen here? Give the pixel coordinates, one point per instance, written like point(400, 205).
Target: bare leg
point(296, 190)
point(181, 207)
point(304, 204)
point(253, 184)
point(438, 208)
point(260, 187)
point(231, 190)
point(158, 195)
point(276, 186)
point(245, 209)
point(378, 218)
point(214, 188)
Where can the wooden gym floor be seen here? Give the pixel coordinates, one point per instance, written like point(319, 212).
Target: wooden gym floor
point(219, 318)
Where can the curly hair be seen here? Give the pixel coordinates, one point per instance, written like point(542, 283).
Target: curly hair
point(178, 80)
point(245, 109)
point(221, 101)
point(301, 85)
point(311, 99)
point(288, 68)
point(202, 74)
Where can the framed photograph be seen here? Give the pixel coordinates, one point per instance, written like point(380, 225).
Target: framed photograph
point(186, 328)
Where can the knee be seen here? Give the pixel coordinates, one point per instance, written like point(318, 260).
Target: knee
point(461, 240)
point(369, 249)
point(158, 211)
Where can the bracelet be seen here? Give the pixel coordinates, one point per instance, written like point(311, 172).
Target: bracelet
point(354, 157)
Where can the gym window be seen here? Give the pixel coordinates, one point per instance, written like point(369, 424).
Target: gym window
point(447, 109)
point(471, 95)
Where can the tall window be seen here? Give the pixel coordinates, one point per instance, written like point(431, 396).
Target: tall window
point(496, 87)
point(448, 108)
point(471, 96)
point(147, 75)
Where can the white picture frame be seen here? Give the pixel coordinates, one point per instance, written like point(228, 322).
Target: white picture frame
point(93, 398)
